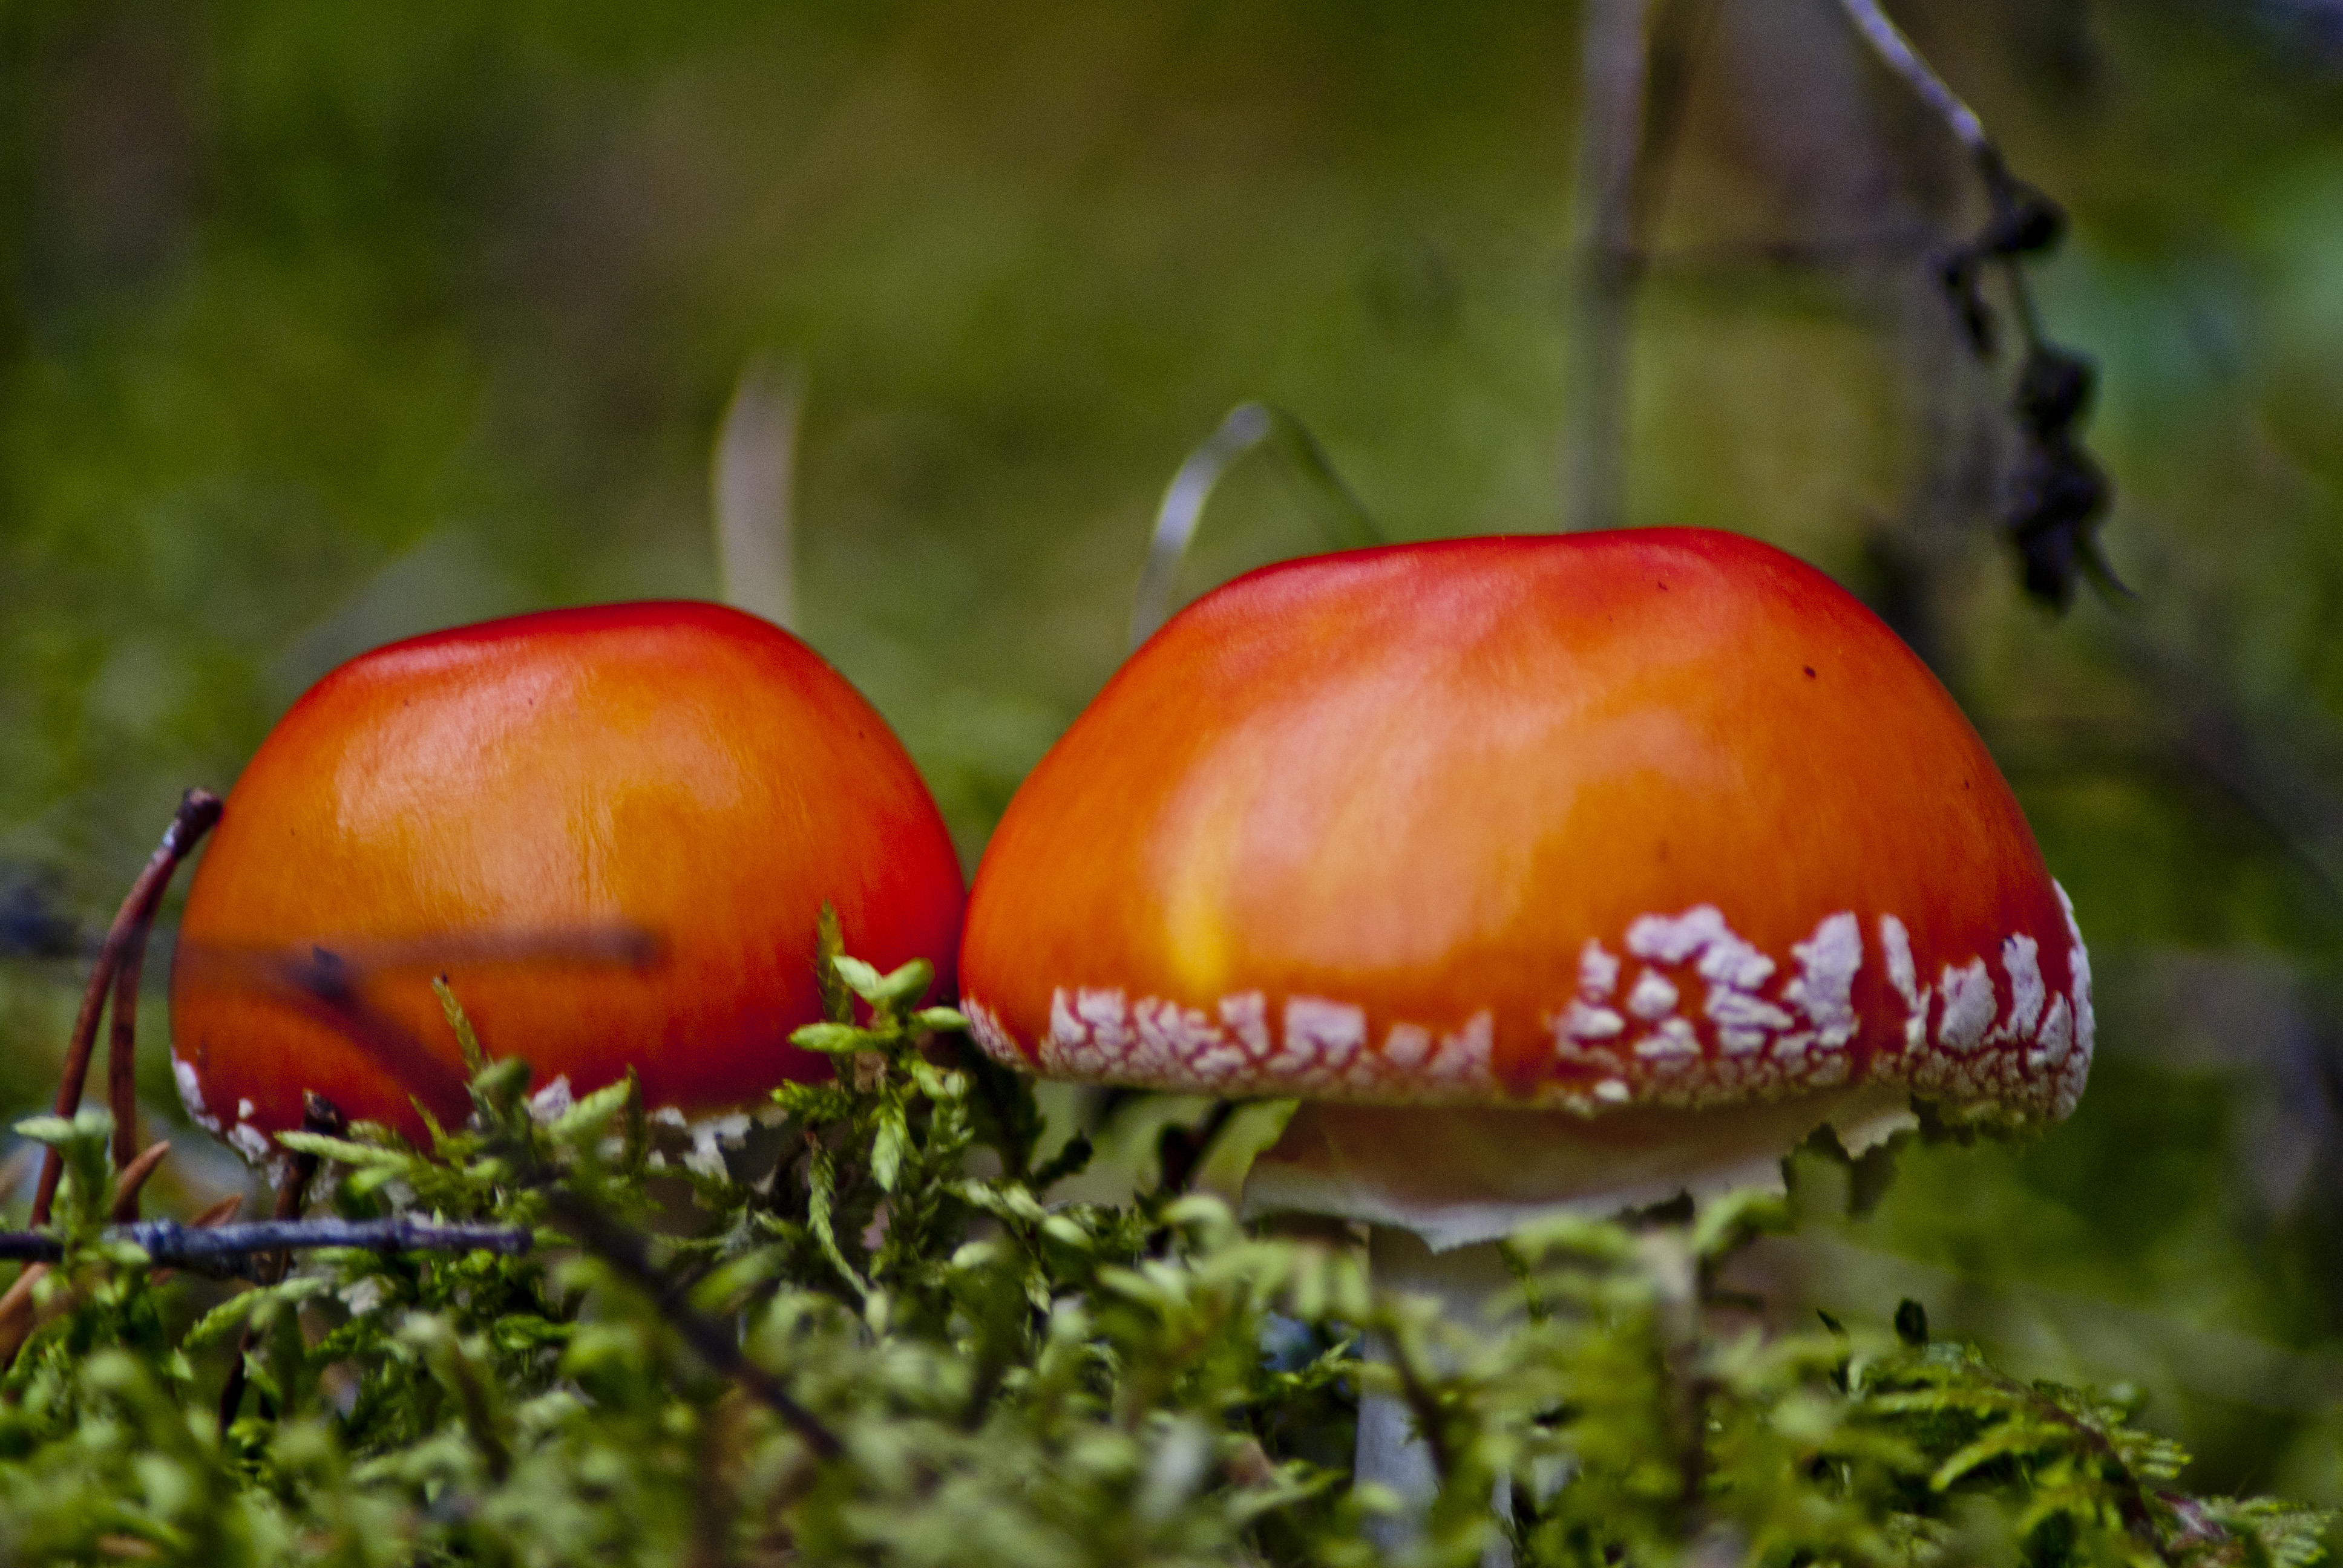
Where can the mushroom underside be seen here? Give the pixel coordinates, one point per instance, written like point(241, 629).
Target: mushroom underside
point(1437, 1184)
point(1455, 1175)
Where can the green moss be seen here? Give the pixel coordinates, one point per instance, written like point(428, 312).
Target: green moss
point(943, 1368)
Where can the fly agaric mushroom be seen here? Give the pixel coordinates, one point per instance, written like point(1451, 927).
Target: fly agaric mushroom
point(517, 805)
point(1554, 873)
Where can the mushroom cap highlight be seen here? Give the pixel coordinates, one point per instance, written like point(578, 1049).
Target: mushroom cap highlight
point(1647, 819)
point(493, 803)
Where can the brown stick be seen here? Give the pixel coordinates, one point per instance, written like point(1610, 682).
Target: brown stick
point(1181, 1149)
point(133, 1177)
point(122, 1048)
point(321, 1116)
point(715, 1343)
point(199, 809)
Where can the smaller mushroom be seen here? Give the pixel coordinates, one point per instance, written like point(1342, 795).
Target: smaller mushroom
point(1556, 874)
point(614, 829)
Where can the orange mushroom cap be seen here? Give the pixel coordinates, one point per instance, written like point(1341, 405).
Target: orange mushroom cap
point(511, 804)
point(1651, 818)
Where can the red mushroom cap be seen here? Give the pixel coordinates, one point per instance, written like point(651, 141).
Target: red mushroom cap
point(1653, 818)
point(478, 801)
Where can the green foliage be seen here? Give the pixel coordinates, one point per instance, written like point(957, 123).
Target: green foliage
point(326, 324)
point(939, 1366)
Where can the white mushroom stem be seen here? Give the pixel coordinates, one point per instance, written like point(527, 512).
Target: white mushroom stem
point(1456, 1174)
point(1466, 1281)
point(1439, 1185)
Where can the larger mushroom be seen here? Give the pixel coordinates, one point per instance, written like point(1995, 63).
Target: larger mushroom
point(679, 786)
point(1552, 873)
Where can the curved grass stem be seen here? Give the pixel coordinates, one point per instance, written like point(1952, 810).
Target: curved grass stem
point(1247, 426)
point(121, 952)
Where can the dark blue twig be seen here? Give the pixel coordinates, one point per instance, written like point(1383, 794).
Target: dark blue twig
point(168, 1243)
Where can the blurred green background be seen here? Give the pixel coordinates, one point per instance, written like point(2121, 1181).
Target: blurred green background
point(324, 323)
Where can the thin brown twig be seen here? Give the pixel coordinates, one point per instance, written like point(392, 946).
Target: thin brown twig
point(714, 1342)
point(199, 809)
point(1181, 1149)
point(2003, 190)
point(122, 1048)
point(134, 1176)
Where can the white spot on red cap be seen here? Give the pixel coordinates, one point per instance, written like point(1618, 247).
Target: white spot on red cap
point(1896, 943)
point(2057, 1036)
point(1247, 1016)
point(1464, 1053)
point(1969, 1007)
point(1824, 987)
point(191, 1095)
point(1728, 960)
point(1321, 1038)
point(1406, 1046)
point(1674, 1038)
point(1739, 1009)
point(1598, 971)
point(1586, 1024)
point(1653, 998)
point(1171, 1037)
point(1102, 1013)
point(990, 1034)
point(2078, 962)
point(1748, 1045)
point(1668, 939)
point(2020, 958)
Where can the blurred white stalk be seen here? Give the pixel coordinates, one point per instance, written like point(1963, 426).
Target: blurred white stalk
point(1613, 53)
point(753, 478)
